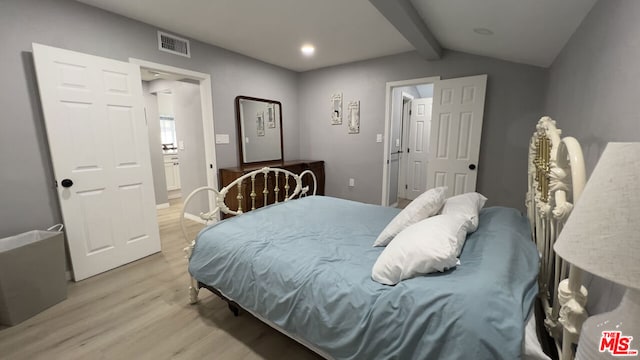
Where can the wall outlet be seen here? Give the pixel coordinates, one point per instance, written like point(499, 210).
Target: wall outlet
point(379, 138)
point(352, 182)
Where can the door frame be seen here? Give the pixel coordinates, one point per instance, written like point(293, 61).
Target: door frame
point(388, 108)
point(402, 163)
point(206, 101)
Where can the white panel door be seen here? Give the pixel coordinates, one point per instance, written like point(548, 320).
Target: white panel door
point(458, 108)
point(418, 150)
point(93, 111)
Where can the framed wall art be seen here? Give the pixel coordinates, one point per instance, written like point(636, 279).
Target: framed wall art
point(353, 116)
point(336, 109)
point(260, 123)
point(271, 117)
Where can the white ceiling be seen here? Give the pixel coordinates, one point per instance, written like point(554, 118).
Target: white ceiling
point(525, 31)
point(273, 31)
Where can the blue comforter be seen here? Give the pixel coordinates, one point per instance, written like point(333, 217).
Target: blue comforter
point(306, 266)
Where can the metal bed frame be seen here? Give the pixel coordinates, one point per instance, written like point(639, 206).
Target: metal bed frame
point(556, 178)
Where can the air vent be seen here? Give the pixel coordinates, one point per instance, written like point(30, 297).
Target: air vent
point(173, 44)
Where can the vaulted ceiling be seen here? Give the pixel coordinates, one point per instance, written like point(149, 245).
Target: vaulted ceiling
point(525, 31)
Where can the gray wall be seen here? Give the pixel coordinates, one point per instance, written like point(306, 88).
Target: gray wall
point(515, 101)
point(155, 144)
point(28, 195)
point(593, 83)
point(187, 110)
point(593, 93)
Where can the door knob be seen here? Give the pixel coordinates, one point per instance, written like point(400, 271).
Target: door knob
point(66, 183)
point(472, 167)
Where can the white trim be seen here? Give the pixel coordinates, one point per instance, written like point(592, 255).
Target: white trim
point(195, 218)
point(402, 164)
point(173, 196)
point(68, 276)
point(206, 99)
point(387, 126)
point(162, 206)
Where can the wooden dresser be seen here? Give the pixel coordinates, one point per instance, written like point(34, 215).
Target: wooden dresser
point(228, 175)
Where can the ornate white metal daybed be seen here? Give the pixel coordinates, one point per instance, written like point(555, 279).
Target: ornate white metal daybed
point(556, 178)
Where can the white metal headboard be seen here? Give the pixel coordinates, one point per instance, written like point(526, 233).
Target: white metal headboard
point(280, 178)
point(556, 180)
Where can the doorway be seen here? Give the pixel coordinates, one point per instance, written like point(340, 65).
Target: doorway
point(397, 174)
point(180, 121)
point(447, 153)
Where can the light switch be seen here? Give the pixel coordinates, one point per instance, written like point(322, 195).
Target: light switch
point(379, 138)
point(397, 142)
point(352, 182)
point(181, 145)
point(222, 138)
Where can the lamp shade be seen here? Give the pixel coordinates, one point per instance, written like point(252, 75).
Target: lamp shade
point(602, 234)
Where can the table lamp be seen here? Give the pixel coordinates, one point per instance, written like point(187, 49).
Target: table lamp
point(602, 236)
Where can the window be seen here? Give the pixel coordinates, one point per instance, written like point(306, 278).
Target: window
point(168, 132)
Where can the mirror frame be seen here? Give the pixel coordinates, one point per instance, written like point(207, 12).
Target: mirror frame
point(244, 164)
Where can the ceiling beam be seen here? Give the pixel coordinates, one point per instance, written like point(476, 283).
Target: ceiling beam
point(405, 18)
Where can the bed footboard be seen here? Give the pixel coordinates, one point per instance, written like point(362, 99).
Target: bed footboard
point(284, 184)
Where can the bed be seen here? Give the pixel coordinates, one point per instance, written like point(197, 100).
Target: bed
point(303, 266)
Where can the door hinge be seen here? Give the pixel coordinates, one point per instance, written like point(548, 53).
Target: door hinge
point(408, 150)
point(409, 112)
point(406, 187)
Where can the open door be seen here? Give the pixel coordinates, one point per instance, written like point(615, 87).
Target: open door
point(94, 116)
point(418, 149)
point(454, 146)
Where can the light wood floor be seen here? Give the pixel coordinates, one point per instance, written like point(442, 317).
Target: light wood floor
point(141, 311)
point(402, 203)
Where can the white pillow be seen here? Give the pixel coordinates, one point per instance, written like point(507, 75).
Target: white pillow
point(425, 205)
point(467, 205)
point(422, 248)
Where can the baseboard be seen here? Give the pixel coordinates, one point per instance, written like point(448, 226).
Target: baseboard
point(194, 218)
point(162, 206)
point(395, 204)
point(174, 196)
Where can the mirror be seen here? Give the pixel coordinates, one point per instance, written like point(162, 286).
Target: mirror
point(259, 130)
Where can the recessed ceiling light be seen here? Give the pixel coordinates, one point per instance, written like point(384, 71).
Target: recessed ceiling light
point(307, 50)
point(483, 31)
